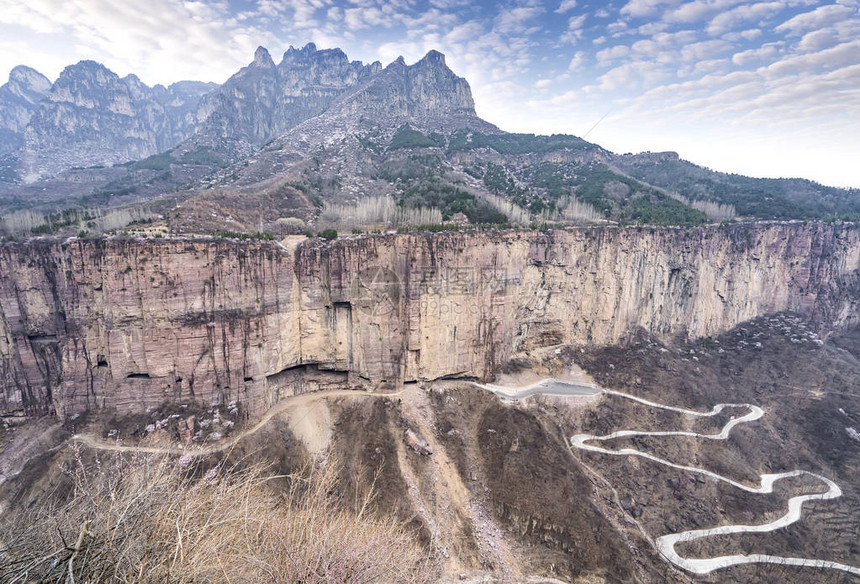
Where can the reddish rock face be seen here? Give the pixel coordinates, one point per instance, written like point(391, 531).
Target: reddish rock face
point(133, 323)
point(187, 428)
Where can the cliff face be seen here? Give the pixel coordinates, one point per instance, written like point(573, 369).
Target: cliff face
point(129, 324)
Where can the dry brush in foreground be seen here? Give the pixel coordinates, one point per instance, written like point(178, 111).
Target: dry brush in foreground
point(146, 519)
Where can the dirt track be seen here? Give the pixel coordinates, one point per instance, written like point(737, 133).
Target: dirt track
point(298, 402)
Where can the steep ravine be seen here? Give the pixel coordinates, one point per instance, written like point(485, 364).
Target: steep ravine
point(134, 323)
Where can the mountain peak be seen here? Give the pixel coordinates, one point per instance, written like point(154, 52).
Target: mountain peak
point(87, 69)
point(24, 74)
point(398, 63)
point(305, 51)
point(28, 83)
point(19, 98)
point(262, 58)
point(433, 56)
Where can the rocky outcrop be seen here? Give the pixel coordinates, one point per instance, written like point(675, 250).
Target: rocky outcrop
point(360, 123)
point(649, 157)
point(133, 323)
point(19, 98)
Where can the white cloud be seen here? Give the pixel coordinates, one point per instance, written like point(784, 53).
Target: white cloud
point(699, 10)
point(617, 28)
point(463, 32)
point(145, 39)
point(631, 76)
point(565, 6)
point(766, 52)
point(836, 57)
point(819, 18)
point(517, 19)
point(366, 17)
point(730, 20)
point(703, 50)
point(751, 34)
point(817, 40)
point(697, 69)
point(642, 8)
point(612, 53)
point(652, 28)
point(577, 61)
point(574, 30)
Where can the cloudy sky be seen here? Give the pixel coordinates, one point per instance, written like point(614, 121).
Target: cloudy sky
point(765, 88)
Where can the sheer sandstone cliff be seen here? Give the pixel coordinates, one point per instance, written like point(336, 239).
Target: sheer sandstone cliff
point(134, 323)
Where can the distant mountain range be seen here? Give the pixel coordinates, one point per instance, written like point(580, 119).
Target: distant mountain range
point(323, 130)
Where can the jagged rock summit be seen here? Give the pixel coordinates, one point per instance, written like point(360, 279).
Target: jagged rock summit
point(427, 93)
point(263, 100)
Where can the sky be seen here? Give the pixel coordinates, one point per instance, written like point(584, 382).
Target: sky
point(763, 88)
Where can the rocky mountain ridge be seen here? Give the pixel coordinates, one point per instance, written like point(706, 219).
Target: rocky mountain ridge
point(263, 100)
point(91, 116)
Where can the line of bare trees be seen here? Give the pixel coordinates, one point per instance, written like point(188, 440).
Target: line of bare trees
point(713, 210)
point(94, 220)
point(379, 211)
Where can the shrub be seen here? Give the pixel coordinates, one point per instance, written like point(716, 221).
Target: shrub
point(243, 236)
point(328, 234)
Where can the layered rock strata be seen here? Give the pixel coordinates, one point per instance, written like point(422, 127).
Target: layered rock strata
point(129, 324)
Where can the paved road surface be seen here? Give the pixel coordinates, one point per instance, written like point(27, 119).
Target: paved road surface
point(666, 543)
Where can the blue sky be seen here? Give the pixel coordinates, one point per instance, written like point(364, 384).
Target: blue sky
point(766, 88)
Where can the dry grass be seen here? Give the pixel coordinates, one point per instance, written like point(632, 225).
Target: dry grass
point(145, 519)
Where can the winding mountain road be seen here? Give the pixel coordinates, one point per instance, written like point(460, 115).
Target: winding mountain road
point(666, 544)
